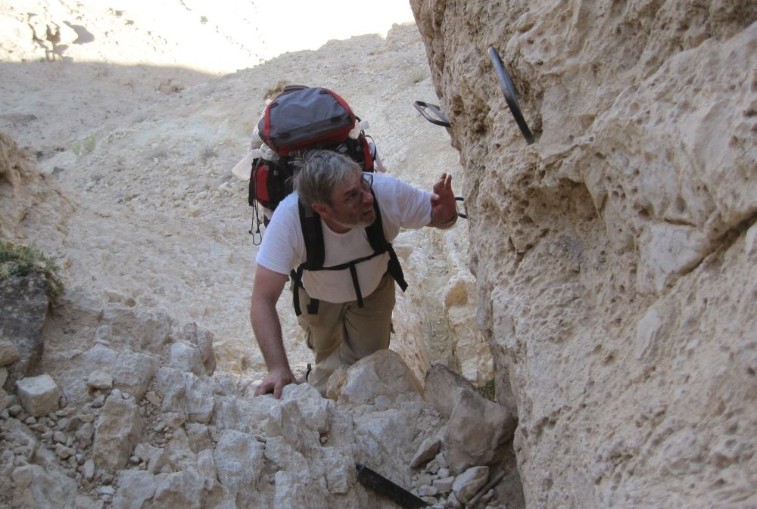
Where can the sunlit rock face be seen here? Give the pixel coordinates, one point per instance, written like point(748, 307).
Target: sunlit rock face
point(614, 256)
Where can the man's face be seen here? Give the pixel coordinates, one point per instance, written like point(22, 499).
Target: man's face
point(351, 203)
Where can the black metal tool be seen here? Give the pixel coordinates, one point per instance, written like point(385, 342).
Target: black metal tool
point(508, 89)
point(460, 214)
point(435, 117)
point(387, 488)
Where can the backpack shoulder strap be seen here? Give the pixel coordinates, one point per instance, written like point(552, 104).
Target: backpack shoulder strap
point(312, 231)
point(378, 242)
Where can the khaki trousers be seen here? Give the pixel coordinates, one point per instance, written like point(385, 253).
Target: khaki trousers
point(341, 334)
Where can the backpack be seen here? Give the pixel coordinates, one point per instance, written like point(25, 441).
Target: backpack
point(299, 119)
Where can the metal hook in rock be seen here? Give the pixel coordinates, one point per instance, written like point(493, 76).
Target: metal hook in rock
point(508, 89)
point(435, 117)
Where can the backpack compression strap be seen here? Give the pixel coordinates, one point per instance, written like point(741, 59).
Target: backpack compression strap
point(312, 231)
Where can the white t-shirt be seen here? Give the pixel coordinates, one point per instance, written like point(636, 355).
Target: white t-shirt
point(283, 247)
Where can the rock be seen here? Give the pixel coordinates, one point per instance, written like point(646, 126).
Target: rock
point(287, 437)
point(64, 452)
point(178, 452)
point(185, 394)
point(427, 491)
point(443, 387)
point(203, 340)
point(154, 457)
point(444, 484)
point(84, 435)
point(39, 394)
point(467, 484)
point(133, 372)
point(294, 489)
point(337, 467)
point(153, 398)
point(199, 437)
point(200, 401)
point(116, 433)
point(172, 420)
point(8, 354)
point(108, 491)
point(23, 309)
point(185, 357)
point(88, 470)
point(453, 502)
point(206, 467)
point(180, 489)
point(5, 400)
point(86, 502)
point(135, 487)
point(238, 459)
point(750, 240)
point(382, 373)
point(35, 487)
point(477, 432)
point(426, 452)
point(313, 409)
point(171, 388)
point(100, 380)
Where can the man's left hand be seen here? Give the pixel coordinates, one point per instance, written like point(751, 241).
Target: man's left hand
point(443, 206)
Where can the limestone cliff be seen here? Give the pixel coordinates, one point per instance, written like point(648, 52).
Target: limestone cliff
point(615, 256)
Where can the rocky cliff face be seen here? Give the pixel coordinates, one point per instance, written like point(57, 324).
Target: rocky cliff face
point(615, 256)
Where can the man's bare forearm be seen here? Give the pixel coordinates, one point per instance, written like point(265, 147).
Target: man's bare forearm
point(267, 328)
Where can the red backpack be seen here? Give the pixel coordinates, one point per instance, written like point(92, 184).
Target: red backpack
point(299, 119)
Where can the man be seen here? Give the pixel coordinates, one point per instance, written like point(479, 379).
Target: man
point(353, 315)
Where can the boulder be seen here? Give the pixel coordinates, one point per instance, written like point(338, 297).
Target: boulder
point(185, 357)
point(135, 487)
point(38, 394)
point(41, 489)
point(238, 459)
point(23, 309)
point(442, 388)
point(381, 374)
point(100, 380)
point(8, 353)
point(477, 432)
point(117, 432)
point(180, 489)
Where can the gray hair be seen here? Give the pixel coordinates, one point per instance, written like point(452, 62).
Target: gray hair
point(320, 172)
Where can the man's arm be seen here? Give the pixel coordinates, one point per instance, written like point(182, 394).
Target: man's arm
point(443, 206)
point(264, 318)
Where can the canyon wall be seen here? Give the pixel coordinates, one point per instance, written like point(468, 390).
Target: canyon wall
point(614, 256)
